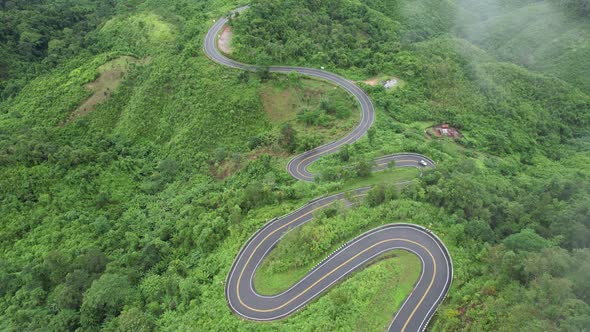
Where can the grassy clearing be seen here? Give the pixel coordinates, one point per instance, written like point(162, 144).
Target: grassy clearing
point(388, 176)
point(318, 111)
point(280, 104)
point(111, 75)
point(285, 101)
point(395, 273)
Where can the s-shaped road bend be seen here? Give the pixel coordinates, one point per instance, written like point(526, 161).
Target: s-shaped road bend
point(437, 269)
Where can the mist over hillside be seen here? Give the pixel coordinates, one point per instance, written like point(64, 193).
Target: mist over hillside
point(547, 36)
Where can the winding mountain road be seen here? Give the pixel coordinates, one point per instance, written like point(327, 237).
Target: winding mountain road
point(437, 269)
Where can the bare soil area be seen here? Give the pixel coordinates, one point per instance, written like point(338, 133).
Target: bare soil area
point(224, 42)
point(111, 75)
point(372, 81)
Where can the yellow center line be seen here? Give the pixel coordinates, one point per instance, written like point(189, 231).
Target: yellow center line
point(259, 244)
point(427, 289)
point(299, 170)
point(266, 237)
point(398, 161)
point(333, 270)
point(378, 164)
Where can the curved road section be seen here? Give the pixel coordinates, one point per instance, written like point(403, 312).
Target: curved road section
point(437, 270)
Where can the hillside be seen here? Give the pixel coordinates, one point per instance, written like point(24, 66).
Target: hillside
point(128, 216)
point(540, 35)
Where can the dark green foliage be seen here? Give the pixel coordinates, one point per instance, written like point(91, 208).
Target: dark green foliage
point(36, 36)
point(65, 320)
point(335, 107)
point(312, 117)
point(363, 167)
point(381, 193)
point(344, 153)
point(105, 299)
point(263, 73)
point(371, 135)
point(114, 221)
point(134, 320)
point(288, 139)
point(340, 38)
point(526, 240)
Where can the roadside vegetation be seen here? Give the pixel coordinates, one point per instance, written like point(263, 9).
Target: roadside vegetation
point(303, 248)
point(317, 112)
point(130, 216)
point(400, 268)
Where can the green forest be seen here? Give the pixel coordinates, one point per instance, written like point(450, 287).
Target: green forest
point(133, 168)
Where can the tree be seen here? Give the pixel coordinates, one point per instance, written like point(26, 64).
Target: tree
point(168, 168)
point(57, 265)
point(288, 139)
point(376, 195)
point(134, 320)
point(254, 142)
point(65, 320)
point(363, 168)
point(93, 261)
point(105, 299)
point(526, 240)
point(254, 195)
point(293, 78)
point(243, 76)
point(344, 153)
point(480, 230)
point(371, 135)
point(66, 297)
point(153, 253)
point(580, 277)
point(381, 193)
point(263, 73)
point(69, 294)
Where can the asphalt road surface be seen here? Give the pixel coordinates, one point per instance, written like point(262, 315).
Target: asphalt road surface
point(437, 269)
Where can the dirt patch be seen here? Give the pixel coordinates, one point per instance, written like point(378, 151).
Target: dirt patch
point(111, 75)
point(372, 81)
point(225, 169)
point(224, 42)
